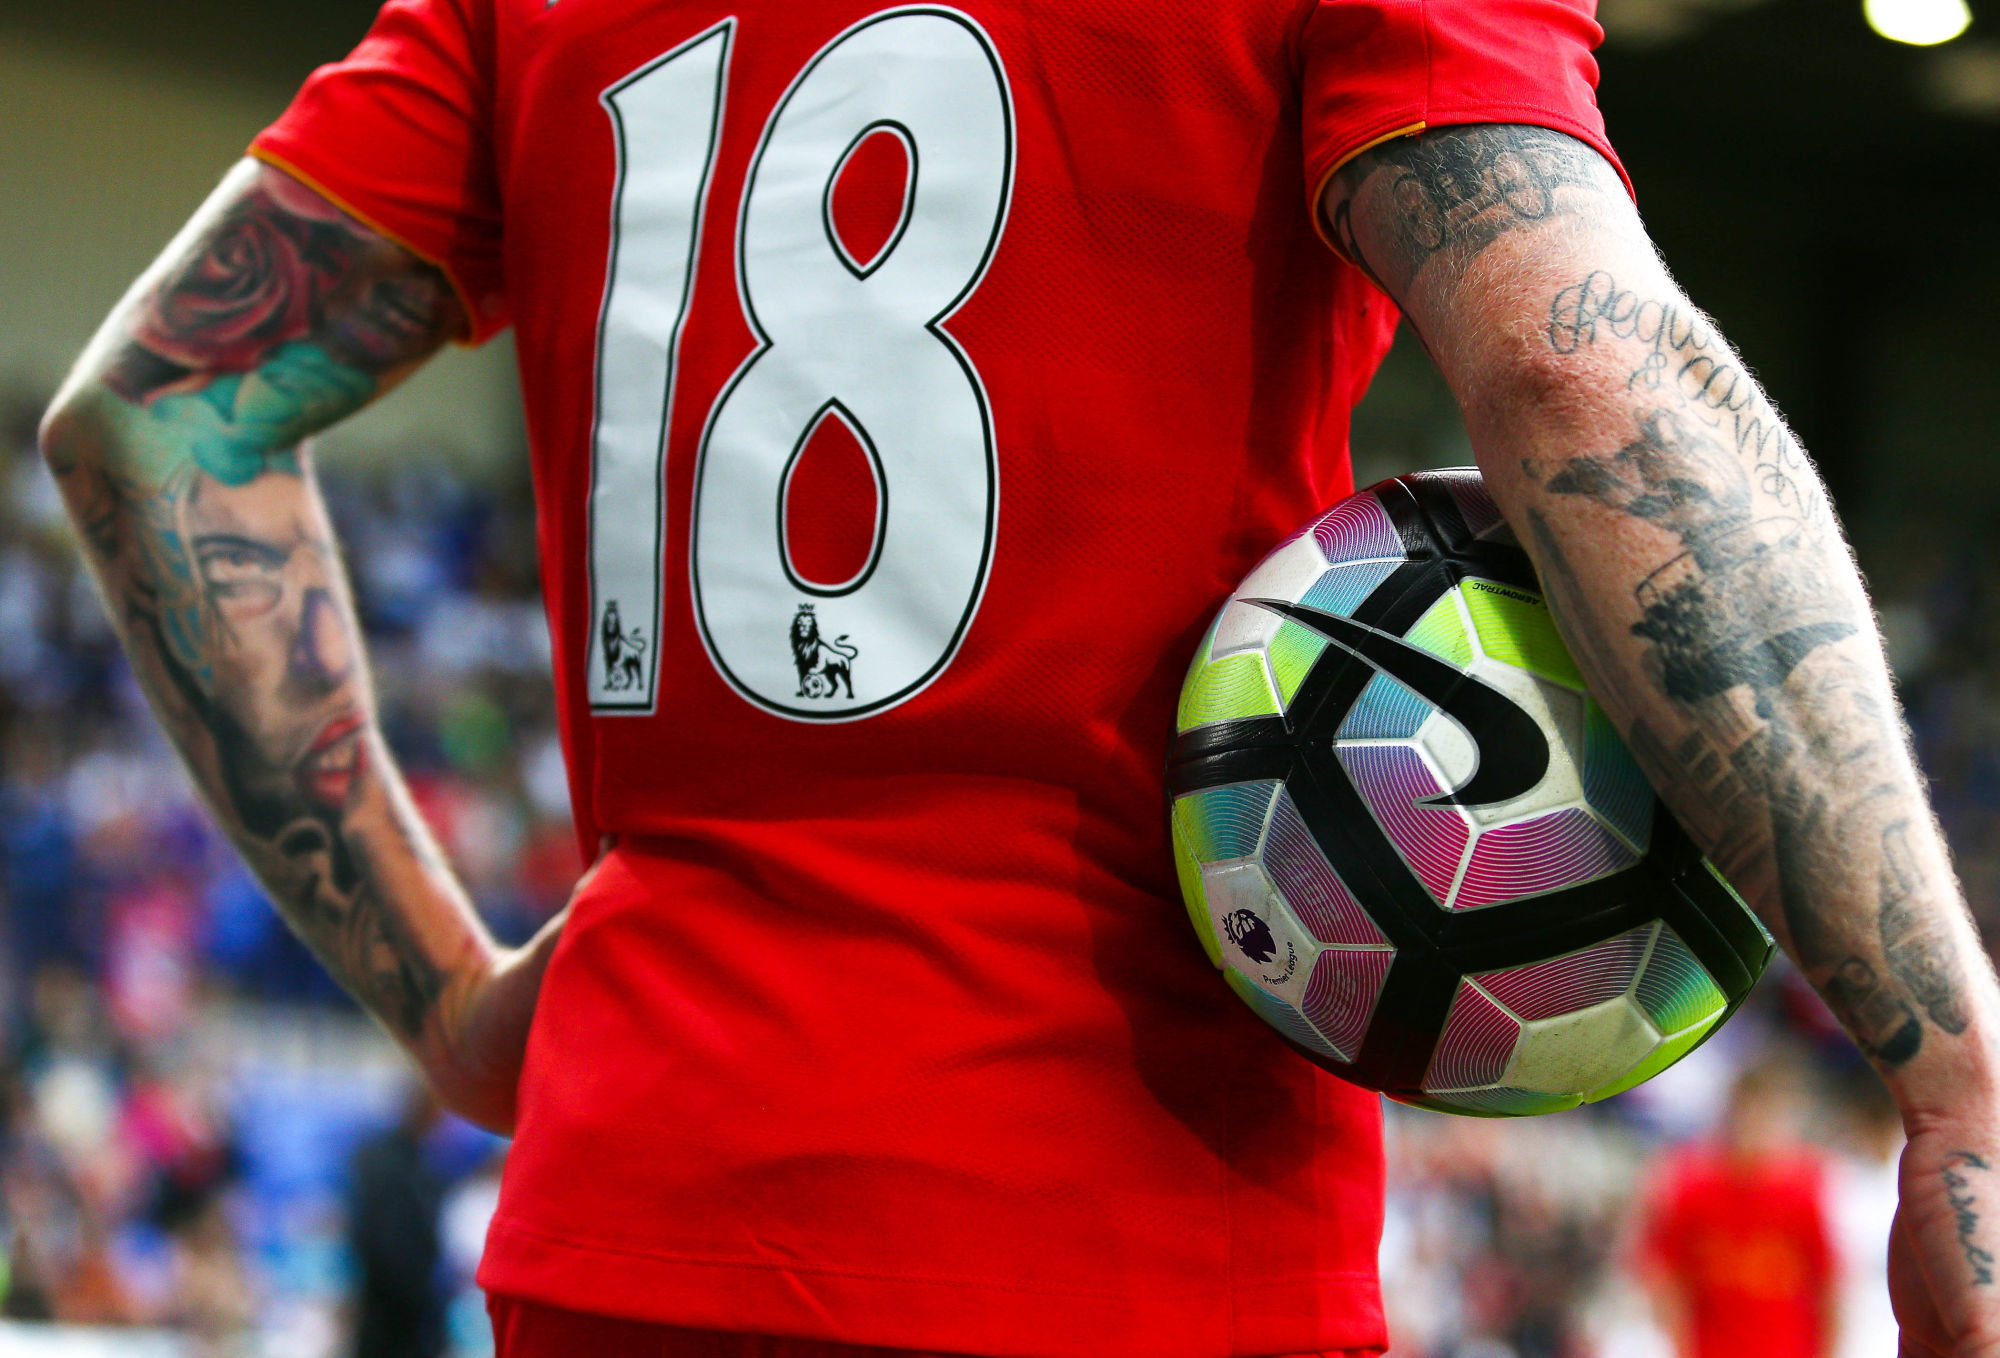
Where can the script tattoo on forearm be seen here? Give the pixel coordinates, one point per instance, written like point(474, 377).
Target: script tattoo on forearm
point(1789, 755)
point(1451, 193)
point(1685, 358)
point(1959, 1166)
point(219, 565)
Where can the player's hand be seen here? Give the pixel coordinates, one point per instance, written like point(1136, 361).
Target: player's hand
point(1944, 1249)
point(474, 1057)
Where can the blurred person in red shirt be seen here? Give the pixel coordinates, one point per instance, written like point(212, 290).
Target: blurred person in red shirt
point(1737, 1243)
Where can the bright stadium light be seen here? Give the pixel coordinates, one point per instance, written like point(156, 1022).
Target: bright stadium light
point(1921, 23)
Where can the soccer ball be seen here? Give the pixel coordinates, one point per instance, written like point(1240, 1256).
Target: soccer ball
point(1412, 841)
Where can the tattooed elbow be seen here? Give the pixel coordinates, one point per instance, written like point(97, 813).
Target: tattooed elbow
point(77, 428)
point(60, 434)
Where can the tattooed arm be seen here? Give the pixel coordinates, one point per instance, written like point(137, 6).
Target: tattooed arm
point(1695, 566)
point(177, 444)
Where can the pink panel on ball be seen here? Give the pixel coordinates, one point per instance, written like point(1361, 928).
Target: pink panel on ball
point(1356, 529)
point(1574, 981)
point(1478, 1038)
point(1295, 865)
point(1341, 995)
point(1391, 779)
point(1560, 849)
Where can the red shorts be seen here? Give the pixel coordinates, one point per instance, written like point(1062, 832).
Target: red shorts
point(529, 1329)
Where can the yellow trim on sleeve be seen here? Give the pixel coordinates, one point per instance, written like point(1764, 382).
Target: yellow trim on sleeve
point(1319, 189)
point(475, 328)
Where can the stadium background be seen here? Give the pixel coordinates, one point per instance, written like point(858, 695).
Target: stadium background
point(183, 1095)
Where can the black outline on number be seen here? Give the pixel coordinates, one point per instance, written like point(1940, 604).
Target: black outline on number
point(935, 326)
point(840, 412)
point(903, 135)
point(645, 703)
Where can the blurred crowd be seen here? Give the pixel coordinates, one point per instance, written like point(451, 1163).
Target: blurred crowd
point(201, 1140)
point(197, 1133)
point(1739, 1203)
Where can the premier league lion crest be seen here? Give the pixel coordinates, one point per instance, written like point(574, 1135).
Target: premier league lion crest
point(1249, 932)
point(624, 651)
point(825, 667)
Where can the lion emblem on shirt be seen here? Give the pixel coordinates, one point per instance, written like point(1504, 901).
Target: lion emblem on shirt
point(825, 667)
point(624, 652)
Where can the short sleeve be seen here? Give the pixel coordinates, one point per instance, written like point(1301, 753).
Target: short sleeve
point(1376, 69)
point(399, 134)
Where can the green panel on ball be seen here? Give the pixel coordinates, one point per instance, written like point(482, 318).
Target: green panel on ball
point(1292, 653)
point(1498, 1102)
point(1226, 822)
point(1441, 631)
point(1227, 689)
point(1517, 628)
point(1664, 1055)
point(1675, 990)
point(1193, 895)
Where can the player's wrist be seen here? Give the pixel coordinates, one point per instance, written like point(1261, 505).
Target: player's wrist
point(448, 1049)
point(472, 1051)
point(1953, 1077)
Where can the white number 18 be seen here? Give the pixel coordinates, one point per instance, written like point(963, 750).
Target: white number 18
point(866, 344)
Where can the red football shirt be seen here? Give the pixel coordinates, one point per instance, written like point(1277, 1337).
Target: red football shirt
point(905, 387)
point(1750, 1246)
